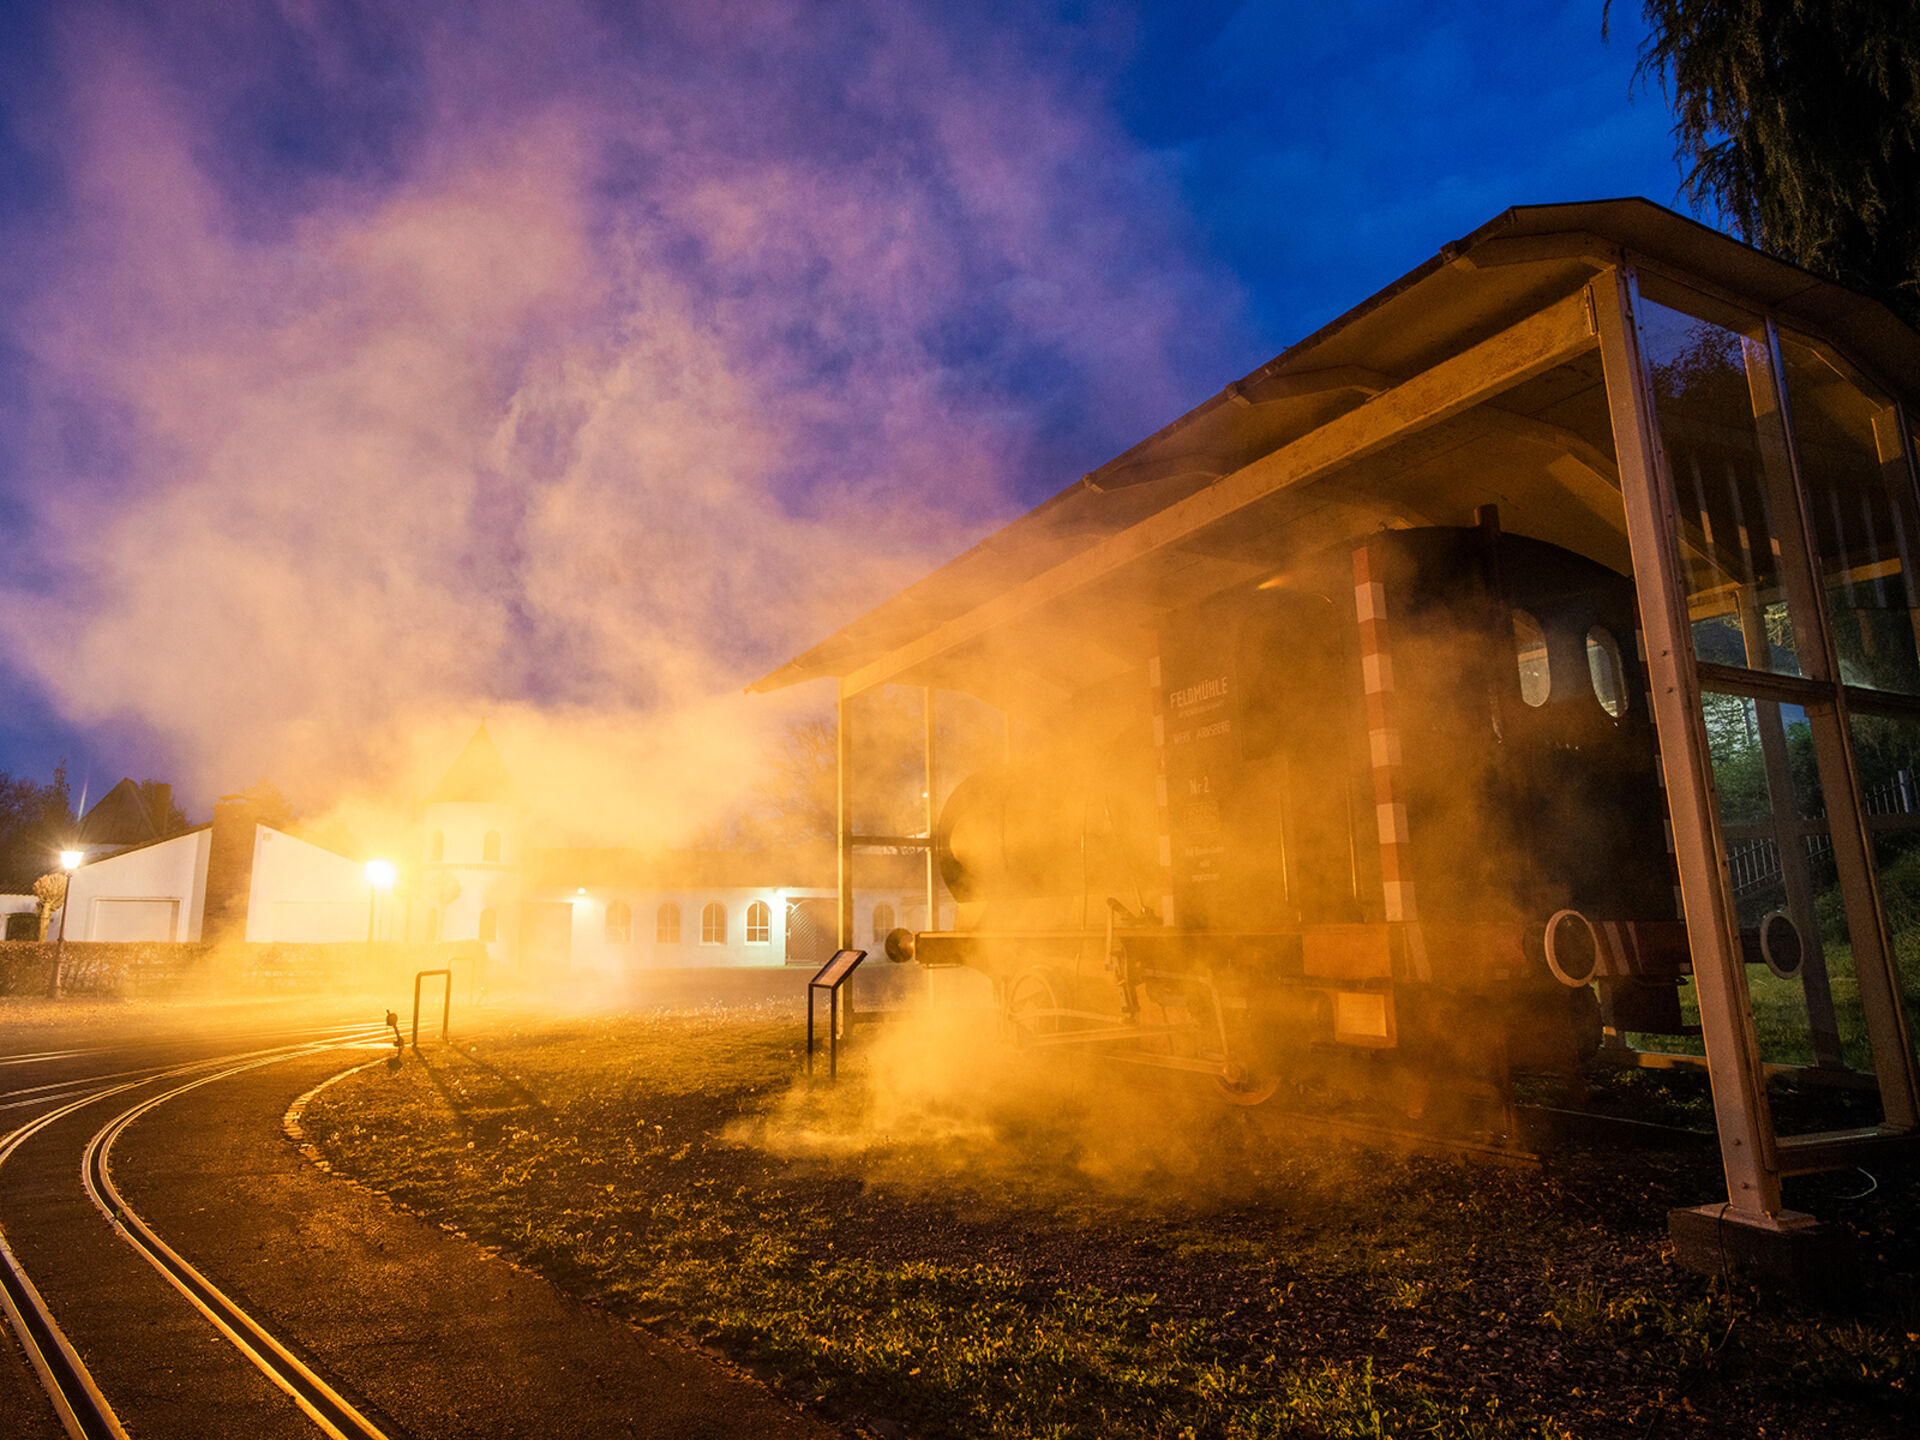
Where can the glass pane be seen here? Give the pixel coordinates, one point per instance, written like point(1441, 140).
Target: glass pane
point(1887, 752)
point(1708, 382)
point(1860, 500)
point(1793, 926)
point(1608, 674)
point(1530, 648)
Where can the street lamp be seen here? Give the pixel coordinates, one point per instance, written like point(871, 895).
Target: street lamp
point(69, 862)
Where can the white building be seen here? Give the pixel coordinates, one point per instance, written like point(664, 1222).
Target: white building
point(472, 848)
point(553, 912)
point(27, 910)
point(474, 876)
point(614, 911)
point(232, 876)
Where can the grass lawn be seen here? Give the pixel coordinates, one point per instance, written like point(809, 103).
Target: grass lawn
point(954, 1241)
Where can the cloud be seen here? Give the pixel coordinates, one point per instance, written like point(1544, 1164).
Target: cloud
point(389, 365)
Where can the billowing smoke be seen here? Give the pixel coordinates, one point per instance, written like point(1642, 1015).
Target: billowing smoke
point(392, 365)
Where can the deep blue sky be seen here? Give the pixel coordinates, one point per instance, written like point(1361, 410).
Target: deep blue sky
point(873, 276)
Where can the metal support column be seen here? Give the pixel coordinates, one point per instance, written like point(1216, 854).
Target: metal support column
point(1741, 1114)
point(843, 825)
point(933, 873)
point(1799, 576)
point(1789, 841)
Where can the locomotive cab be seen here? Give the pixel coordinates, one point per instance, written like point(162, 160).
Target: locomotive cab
point(1368, 783)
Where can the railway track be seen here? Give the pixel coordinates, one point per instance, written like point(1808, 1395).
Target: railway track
point(83, 1410)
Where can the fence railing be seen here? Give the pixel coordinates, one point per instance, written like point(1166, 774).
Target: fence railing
point(1755, 862)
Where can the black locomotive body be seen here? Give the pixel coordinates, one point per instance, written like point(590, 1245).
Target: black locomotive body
point(1399, 804)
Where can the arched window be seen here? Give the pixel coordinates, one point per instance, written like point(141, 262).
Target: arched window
point(882, 921)
point(490, 847)
point(489, 926)
point(666, 924)
point(433, 926)
point(759, 924)
point(619, 923)
point(437, 846)
point(1530, 650)
point(713, 924)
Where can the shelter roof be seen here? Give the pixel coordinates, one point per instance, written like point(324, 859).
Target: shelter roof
point(1526, 261)
point(477, 776)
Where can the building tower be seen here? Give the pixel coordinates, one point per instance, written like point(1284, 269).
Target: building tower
point(473, 836)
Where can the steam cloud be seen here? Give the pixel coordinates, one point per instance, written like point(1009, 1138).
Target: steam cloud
point(391, 364)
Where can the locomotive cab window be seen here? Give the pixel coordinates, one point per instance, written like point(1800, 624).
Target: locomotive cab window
point(1530, 649)
point(1609, 674)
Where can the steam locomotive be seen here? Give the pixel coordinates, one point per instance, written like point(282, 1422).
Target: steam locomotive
point(1393, 815)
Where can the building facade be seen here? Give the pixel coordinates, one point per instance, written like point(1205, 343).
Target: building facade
point(473, 875)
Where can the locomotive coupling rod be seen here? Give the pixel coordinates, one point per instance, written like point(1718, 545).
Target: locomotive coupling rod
point(1109, 1032)
point(1218, 1068)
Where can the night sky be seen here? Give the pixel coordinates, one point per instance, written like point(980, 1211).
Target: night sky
point(368, 367)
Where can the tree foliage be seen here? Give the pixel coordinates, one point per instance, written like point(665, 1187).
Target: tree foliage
point(168, 818)
point(35, 821)
point(51, 891)
point(1800, 121)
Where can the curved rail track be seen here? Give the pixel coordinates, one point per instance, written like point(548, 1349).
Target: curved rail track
point(82, 1409)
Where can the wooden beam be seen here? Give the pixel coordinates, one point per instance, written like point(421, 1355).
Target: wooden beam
point(1328, 381)
point(1740, 1109)
point(1533, 346)
point(1554, 437)
point(1502, 251)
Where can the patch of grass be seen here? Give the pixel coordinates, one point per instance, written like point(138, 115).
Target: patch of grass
point(1853, 1358)
point(1065, 1269)
point(1680, 1335)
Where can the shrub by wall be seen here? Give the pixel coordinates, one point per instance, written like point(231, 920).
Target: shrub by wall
point(148, 968)
point(97, 969)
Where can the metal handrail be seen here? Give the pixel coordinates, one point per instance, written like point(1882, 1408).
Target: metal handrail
point(446, 1003)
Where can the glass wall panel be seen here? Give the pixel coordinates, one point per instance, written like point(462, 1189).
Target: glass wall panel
point(1887, 753)
point(1714, 397)
point(1793, 926)
point(1860, 500)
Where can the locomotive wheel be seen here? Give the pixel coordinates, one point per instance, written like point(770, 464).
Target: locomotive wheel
point(1242, 1087)
point(1030, 996)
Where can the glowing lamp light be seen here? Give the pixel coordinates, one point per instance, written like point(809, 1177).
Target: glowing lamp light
point(380, 874)
point(70, 859)
point(581, 891)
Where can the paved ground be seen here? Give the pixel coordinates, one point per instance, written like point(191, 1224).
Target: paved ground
point(424, 1331)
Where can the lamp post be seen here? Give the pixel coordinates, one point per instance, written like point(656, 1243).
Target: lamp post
point(69, 862)
point(380, 876)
